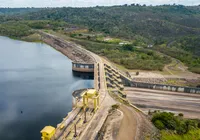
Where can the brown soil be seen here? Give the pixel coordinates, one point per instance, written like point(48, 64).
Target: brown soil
point(128, 126)
point(110, 129)
point(135, 126)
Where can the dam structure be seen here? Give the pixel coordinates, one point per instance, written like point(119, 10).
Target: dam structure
point(90, 106)
point(83, 67)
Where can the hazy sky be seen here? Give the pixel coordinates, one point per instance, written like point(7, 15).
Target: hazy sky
point(87, 3)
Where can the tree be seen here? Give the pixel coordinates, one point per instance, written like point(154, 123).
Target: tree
point(180, 114)
point(128, 47)
point(88, 37)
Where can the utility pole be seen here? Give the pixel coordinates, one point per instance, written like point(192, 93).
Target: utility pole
point(85, 120)
point(75, 134)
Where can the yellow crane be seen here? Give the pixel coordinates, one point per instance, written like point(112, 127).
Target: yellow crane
point(91, 94)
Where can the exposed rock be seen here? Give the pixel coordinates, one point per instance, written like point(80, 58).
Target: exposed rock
point(71, 50)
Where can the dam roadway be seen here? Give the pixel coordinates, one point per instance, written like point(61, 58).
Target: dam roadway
point(106, 101)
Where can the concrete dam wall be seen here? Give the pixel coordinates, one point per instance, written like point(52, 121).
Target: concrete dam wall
point(69, 49)
point(165, 87)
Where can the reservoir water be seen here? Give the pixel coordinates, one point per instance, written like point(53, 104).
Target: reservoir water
point(36, 83)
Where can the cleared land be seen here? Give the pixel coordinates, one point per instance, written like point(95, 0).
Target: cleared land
point(147, 99)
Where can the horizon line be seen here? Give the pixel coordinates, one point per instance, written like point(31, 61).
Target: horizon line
point(142, 5)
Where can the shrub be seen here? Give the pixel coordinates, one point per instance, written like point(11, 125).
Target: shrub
point(128, 47)
point(159, 124)
point(191, 124)
point(199, 125)
point(165, 120)
point(115, 106)
point(180, 114)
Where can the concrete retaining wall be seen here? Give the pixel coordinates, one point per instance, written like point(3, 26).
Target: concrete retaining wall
point(82, 67)
point(69, 49)
point(165, 87)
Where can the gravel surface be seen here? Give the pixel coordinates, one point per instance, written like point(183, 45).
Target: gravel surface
point(146, 99)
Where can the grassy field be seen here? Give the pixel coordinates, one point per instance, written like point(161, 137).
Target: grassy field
point(191, 135)
point(32, 38)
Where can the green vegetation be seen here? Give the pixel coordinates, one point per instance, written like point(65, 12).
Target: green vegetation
point(176, 127)
point(15, 30)
point(182, 52)
point(170, 29)
point(46, 24)
point(115, 106)
point(32, 38)
point(191, 135)
point(129, 21)
point(129, 56)
point(25, 28)
point(176, 82)
point(98, 38)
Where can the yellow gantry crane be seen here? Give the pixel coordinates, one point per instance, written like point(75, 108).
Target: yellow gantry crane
point(49, 131)
point(91, 94)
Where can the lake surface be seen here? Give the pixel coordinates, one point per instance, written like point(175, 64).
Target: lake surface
point(36, 83)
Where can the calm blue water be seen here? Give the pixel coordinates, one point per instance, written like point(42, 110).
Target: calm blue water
point(37, 80)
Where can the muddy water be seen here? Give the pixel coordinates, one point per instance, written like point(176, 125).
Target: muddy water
point(36, 83)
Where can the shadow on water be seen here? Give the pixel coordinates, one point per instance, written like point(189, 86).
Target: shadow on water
point(84, 75)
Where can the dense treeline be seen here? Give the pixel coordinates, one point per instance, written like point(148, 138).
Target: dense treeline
point(23, 28)
point(191, 44)
point(151, 22)
point(186, 49)
point(176, 127)
point(127, 21)
point(15, 30)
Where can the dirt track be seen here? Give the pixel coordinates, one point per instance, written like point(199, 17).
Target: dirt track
point(129, 125)
point(135, 125)
point(147, 99)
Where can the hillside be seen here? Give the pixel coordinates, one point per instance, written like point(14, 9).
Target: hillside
point(150, 23)
point(171, 29)
point(159, 22)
